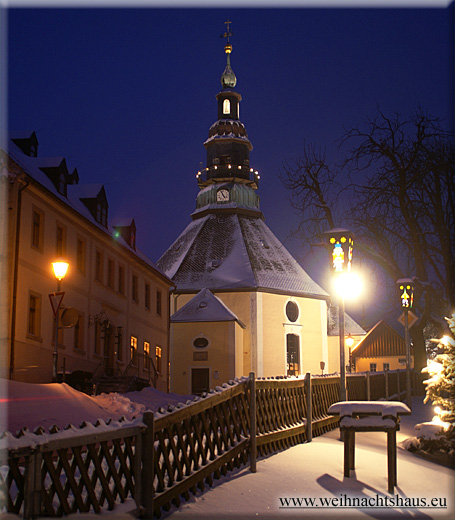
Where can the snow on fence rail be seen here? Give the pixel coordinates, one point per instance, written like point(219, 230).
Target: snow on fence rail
point(157, 459)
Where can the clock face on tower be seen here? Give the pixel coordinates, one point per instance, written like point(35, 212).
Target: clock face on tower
point(222, 196)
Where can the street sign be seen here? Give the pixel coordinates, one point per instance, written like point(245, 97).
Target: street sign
point(412, 318)
point(56, 300)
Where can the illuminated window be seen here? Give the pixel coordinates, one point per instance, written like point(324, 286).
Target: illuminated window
point(146, 355)
point(133, 349)
point(158, 358)
point(226, 106)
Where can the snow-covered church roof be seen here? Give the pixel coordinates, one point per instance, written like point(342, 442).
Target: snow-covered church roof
point(204, 307)
point(228, 251)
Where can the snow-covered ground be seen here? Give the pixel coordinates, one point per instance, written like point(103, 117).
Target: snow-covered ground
point(315, 471)
point(311, 471)
point(32, 405)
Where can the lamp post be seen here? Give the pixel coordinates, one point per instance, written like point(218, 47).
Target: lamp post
point(60, 268)
point(406, 293)
point(340, 244)
point(350, 344)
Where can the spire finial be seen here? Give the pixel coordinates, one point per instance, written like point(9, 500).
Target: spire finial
point(228, 79)
point(227, 35)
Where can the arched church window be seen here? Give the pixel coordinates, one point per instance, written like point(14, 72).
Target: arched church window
point(292, 311)
point(226, 106)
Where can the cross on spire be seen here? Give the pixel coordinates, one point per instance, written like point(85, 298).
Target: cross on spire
point(228, 33)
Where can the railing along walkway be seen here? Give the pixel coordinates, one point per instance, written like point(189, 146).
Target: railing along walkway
point(158, 459)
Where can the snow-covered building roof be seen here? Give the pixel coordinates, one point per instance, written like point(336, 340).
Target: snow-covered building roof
point(350, 326)
point(229, 251)
point(204, 307)
point(381, 341)
point(35, 166)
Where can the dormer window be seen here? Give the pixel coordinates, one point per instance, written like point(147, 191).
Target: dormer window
point(226, 106)
point(96, 202)
point(61, 187)
point(101, 214)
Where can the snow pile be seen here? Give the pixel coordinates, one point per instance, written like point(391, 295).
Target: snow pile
point(43, 406)
point(431, 430)
point(120, 405)
point(32, 406)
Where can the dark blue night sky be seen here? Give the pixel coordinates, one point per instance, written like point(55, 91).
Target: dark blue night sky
point(128, 95)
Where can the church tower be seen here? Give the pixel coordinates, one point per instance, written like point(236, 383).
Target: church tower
point(228, 181)
point(242, 303)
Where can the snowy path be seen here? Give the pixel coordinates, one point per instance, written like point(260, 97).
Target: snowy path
point(315, 471)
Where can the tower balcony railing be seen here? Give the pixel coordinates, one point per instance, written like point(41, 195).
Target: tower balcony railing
point(228, 172)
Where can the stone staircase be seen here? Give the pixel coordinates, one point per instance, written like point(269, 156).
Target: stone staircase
point(120, 384)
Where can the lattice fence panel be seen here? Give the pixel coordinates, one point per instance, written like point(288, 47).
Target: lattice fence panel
point(88, 478)
point(356, 388)
point(326, 391)
point(377, 386)
point(12, 484)
point(199, 443)
point(280, 414)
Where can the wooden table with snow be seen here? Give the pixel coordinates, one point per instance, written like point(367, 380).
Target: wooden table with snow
point(370, 416)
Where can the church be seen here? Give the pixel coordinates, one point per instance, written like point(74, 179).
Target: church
point(241, 302)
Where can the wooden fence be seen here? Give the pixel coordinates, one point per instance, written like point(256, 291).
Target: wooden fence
point(158, 459)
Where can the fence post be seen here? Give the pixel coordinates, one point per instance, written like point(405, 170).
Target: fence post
point(368, 387)
point(29, 486)
point(253, 452)
point(309, 407)
point(398, 385)
point(386, 375)
point(148, 471)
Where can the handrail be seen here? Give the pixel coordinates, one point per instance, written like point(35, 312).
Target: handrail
point(134, 363)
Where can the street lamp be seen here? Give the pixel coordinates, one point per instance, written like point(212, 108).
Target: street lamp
point(350, 343)
point(60, 268)
point(340, 244)
point(406, 294)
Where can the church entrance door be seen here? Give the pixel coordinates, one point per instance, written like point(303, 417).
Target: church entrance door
point(199, 380)
point(293, 354)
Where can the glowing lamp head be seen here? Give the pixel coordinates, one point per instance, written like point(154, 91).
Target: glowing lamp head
point(340, 244)
point(406, 292)
point(349, 341)
point(60, 268)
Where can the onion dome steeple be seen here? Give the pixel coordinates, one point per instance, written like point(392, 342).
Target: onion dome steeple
point(228, 79)
point(228, 179)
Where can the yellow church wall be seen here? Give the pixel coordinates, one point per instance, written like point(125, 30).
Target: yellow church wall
point(310, 327)
point(263, 345)
point(219, 357)
point(240, 304)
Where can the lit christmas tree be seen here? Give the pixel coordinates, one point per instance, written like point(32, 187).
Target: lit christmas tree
point(440, 390)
